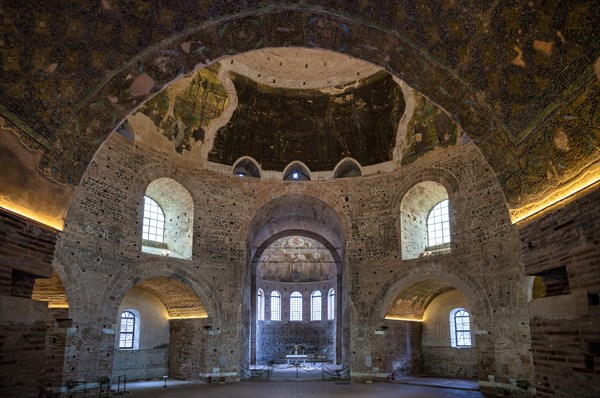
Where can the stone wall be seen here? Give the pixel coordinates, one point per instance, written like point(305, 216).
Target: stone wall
point(277, 339)
point(564, 327)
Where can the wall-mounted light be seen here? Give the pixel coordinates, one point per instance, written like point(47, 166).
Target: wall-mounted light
point(399, 318)
point(166, 253)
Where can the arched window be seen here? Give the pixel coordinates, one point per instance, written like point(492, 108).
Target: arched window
point(167, 219)
point(296, 306)
point(260, 305)
point(275, 306)
point(331, 304)
point(154, 221)
point(315, 306)
point(425, 220)
point(129, 330)
point(438, 225)
point(460, 328)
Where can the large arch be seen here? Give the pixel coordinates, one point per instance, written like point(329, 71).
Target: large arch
point(209, 42)
point(302, 215)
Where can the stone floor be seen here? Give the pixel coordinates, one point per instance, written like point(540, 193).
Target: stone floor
point(296, 389)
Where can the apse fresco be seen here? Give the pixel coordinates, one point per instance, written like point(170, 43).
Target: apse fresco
point(428, 128)
point(183, 116)
point(316, 127)
point(296, 259)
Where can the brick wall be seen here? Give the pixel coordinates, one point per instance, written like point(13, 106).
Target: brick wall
point(100, 249)
point(565, 329)
point(25, 253)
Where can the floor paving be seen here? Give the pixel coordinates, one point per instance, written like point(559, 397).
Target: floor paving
point(294, 389)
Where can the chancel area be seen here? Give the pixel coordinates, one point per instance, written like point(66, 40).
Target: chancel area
point(378, 190)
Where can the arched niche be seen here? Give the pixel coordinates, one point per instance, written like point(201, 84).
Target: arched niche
point(178, 208)
point(247, 166)
point(296, 171)
point(431, 302)
point(416, 205)
point(167, 312)
point(346, 168)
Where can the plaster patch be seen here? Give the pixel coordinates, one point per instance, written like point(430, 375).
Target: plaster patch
point(185, 47)
point(561, 140)
point(545, 47)
point(597, 68)
point(142, 85)
point(51, 68)
point(519, 59)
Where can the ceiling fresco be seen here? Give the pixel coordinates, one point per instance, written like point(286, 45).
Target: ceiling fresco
point(183, 116)
point(429, 127)
point(278, 126)
point(517, 77)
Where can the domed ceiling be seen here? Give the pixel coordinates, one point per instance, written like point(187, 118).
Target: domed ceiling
point(283, 105)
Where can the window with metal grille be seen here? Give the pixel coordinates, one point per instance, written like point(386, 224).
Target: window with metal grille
point(331, 304)
point(315, 306)
point(296, 306)
point(460, 328)
point(154, 221)
point(275, 306)
point(438, 225)
point(127, 330)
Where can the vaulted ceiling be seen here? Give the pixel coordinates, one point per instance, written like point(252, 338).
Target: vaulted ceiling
point(521, 79)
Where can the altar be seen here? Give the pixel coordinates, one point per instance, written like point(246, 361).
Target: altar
point(296, 356)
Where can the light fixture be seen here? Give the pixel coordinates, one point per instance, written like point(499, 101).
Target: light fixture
point(166, 253)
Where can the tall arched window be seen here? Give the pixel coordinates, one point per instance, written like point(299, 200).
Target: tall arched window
point(260, 305)
point(438, 225)
point(315, 306)
point(296, 306)
point(275, 306)
point(129, 330)
point(460, 328)
point(167, 219)
point(331, 304)
point(154, 221)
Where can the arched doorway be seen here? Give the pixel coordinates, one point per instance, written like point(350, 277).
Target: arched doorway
point(295, 307)
point(297, 264)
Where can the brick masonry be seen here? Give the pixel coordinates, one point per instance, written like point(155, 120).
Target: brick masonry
point(565, 340)
point(99, 260)
point(26, 252)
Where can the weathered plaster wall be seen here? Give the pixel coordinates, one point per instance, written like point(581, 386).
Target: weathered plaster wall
point(439, 357)
point(98, 257)
point(565, 333)
point(150, 360)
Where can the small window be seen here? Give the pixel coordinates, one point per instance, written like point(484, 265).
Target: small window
point(260, 305)
point(154, 221)
point(331, 304)
point(275, 306)
point(129, 331)
point(315, 306)
point(438, 225)
point(296, 306)
point(460, 328)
